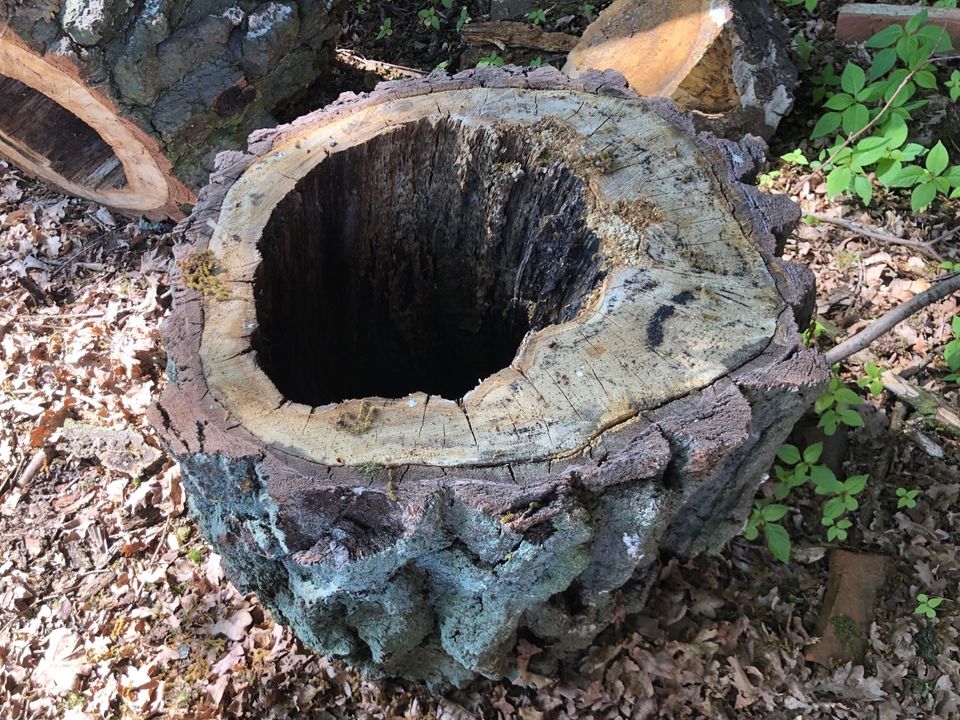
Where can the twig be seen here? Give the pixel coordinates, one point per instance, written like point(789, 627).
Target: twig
point(946, 285)
point(924, 247)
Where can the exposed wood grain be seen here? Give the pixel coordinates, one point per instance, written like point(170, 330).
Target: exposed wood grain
point(727, 60)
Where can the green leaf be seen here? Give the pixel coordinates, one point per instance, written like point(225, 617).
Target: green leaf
point(778, 541)
point(825, 481)
point(886, 37)
point(850, 418)
point(772, 513)
point(796, 157)
point(914, 23)
point(833, 508)
point(922, 196)
point(863, 188)
point(926, 79)
point(855, 483)
point(855, 118)
point(934, 602)
point(850, 503)
point(826, 125)
point(883, 62)
point(853, 78)
point(847, 396)
point(907, 177)
point(750, 532)
point(938, 159)
point(838, 180)
point(922, 598)
point(812, 453)
point(840, 101)
point(789, 454)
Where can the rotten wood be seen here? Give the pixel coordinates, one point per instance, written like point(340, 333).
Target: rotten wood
point(848, 608)
point(727, 61)
point(506, 33)
point(460, 357)
point(933, 410)
point(124, 104)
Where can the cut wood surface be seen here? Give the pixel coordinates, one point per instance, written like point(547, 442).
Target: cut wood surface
point(726, 60)
point(127, 107)
point(858, 22)
point(461, 356)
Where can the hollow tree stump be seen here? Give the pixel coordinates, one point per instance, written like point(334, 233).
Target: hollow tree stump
point(455, 361)
point(727, 61)
point(127, 103)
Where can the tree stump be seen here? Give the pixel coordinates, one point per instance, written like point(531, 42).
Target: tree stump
point(453, 362)
point(728, 61)
point(126, 104)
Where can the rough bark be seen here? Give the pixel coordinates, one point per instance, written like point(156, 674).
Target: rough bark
point(728, 61)
point(127, 103)
point(659, 365)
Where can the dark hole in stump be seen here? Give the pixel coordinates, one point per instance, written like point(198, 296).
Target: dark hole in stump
point(49, 134)
point(417, 261)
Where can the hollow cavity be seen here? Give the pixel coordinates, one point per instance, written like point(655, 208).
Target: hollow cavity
point(418, 261)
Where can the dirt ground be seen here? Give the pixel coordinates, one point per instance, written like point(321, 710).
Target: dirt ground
point(112, 606)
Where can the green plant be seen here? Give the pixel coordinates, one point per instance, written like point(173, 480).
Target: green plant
point(537, 62)
point(906, 498)
point(951, 353)
point(927, 605)
point(843, 493)
point(537, 17)
point(463, 18)
point(386, 29)
point(836, 529)
point(491, 60)
point(867, 113)
point(813, 333)
point(797, 468)
point(810, 5)
point(873, 380)
point(428, 16)
point(834, 407)
point(195, 555)
point(362, 6)
point(764, 518)
point(588, 10)
point(936, 176)
point(953, 85)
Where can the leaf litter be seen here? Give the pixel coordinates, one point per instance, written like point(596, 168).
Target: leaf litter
point(112, 606)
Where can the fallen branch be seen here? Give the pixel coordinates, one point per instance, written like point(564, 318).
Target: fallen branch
point(505, 33)
point(945, 285)
point(935, 412)
point(925, 247)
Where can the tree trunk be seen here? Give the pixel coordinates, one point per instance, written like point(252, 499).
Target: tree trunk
point(456, 360)
point(127, 103)
point(728, 61)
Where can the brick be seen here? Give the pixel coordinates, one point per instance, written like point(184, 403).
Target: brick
point(859, 21)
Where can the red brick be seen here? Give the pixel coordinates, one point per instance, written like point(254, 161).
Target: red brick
point(859, 21)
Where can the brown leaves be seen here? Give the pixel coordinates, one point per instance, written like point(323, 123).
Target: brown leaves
point(62, 664)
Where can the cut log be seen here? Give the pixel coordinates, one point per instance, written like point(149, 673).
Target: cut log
point(456, 360)
point(728, 61)
point(126, 104)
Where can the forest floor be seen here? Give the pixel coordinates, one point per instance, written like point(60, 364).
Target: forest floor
point(112, 606)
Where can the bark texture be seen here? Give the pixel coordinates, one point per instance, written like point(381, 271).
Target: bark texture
point(179, 79)
point(728, 61)
point(419, 536)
